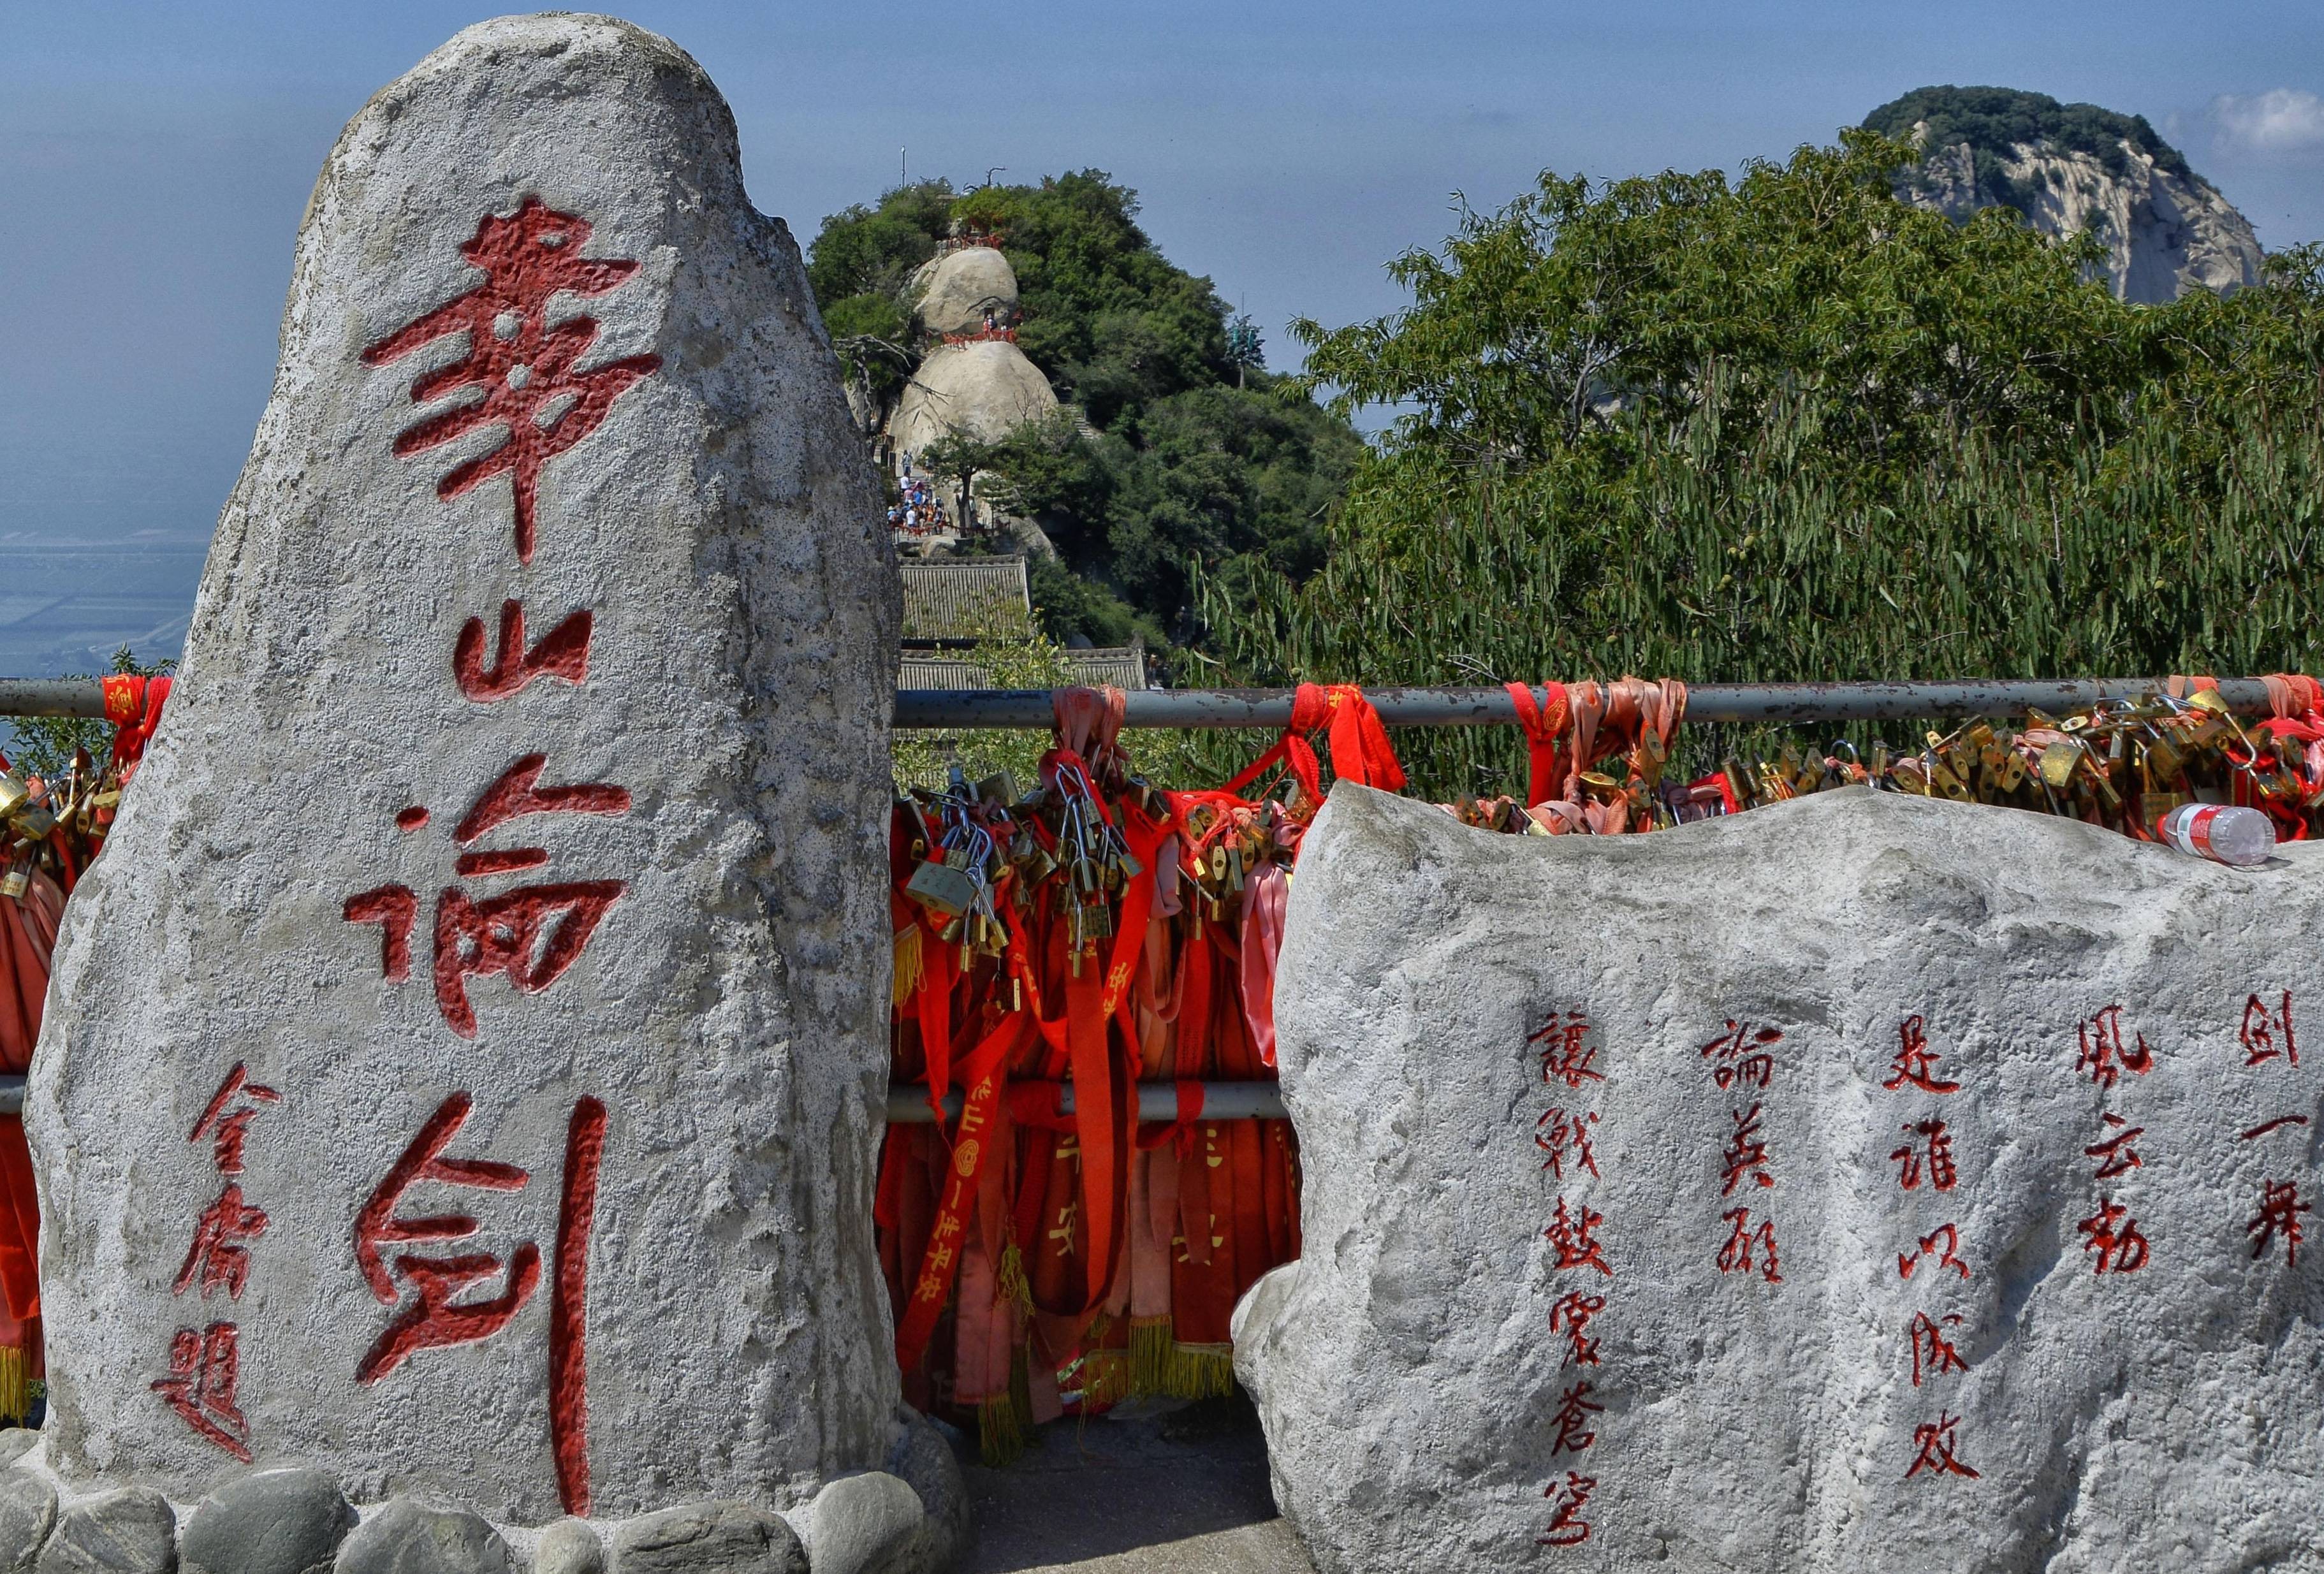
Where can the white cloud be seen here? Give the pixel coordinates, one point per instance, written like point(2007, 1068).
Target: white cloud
point(2282, 120)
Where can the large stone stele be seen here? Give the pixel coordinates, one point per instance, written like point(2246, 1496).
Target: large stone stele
point(1457, 1010)
point(700, 763)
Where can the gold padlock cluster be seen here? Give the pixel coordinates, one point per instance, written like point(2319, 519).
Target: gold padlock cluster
point(56, 826)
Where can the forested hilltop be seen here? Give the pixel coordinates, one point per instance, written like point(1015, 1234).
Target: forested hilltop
point(1790, 427)
point(1176, 453)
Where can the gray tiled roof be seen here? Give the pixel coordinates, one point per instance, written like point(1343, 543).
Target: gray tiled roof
point(1123, 668)
point(963, 596)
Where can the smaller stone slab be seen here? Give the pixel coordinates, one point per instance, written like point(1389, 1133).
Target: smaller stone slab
point(131, 1531)
point(708, 1537)
point(1861, 1184)
point(276, 1522)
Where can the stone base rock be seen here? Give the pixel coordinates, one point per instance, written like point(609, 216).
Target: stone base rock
point(1866, 1184)
point(911, 1518)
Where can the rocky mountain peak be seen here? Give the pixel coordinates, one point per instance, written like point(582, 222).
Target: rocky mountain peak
point(2073, 168)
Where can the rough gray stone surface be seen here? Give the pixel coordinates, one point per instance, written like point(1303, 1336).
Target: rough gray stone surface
point(983, 391)
point(276, 1522)
point(860, 1524)
point(962, 285)
point(131, 1531)
point(28, 1512)
point(708, 1537)
point(17, 1442)
point(1411, 1369)
point(571, 1546)
point(406, 1537)
point(924, 1460)
point(719, 525)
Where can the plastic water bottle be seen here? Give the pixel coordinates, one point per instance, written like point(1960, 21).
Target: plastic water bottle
point(2221, 833)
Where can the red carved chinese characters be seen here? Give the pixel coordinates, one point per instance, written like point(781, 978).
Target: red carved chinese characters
point(1736, 1256)
point(562, 653)
point(435, 1317)
point(525, 367)
point(2102, 1052)
point(204, 1364)
point(1572, 1419)
point(1916, 1063)
point(1747, 1153)
point(2280, 1209)
point(1935, 1441)
point(1569, 1236)
point(1943, 1244)
point(1564, 1056)
point(1567, 1528)
point(530, 936)
point(203, 1370)
point(2113, 1235)
point(1570, 1316)
point(1936, 1149)
point(2267, 1035)
point(2115, 1155)
point(1741, 1055)
point(1933, 1352)
point(1565, 1139)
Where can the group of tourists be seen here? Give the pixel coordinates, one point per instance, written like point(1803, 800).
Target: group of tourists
point(920, 512)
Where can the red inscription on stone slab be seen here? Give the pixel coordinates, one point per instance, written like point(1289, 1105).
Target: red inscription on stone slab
point(525, 368)
point(562, 653)
point(217, 1255)
point(1572, 1418)
point(1933, 1354)
point(2115, 1156)
point(2265, 1127)
point(1746, 1152)
point(1935, 1441)
point(2267, 1035)
point(1743, 1237)
point(2280, 1209)
point(2114, 1237)
point(231, 1126)
point(2101, 1050)
point(1943, 1244)
point(204, 1367)
point(1567, 1528)
point(568, 1305)
point(1565, 1057)
point(1741, 1055)
point(1565, 1138)
point(1570, 1316)
point(1570, 1235)
point(1933, 1151)
point(432, 1319)
point(1916, 1063)
point(530, 936)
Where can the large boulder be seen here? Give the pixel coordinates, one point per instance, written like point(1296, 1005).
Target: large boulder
point(984, 391)
point(1862, 1184)
point(462, 1070)
point(962, 286)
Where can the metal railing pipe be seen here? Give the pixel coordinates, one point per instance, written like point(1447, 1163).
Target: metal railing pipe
point(1269, 709)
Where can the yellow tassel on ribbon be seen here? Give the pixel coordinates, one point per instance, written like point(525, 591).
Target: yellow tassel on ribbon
point(1200, 1371)
point(15, 1401)
point(908, 966)
point(1004, 1423)
point(1149, 1354)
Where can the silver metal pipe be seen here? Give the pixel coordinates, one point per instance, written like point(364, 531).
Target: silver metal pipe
point(907, 1105)
point(1269, 710)
point(52, 697)
point(11, 1095)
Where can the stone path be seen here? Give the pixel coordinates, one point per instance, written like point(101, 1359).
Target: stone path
point(1174, 1491)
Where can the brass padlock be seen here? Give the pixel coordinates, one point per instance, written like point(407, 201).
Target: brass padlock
point(19, 878)
point(13, 795)
point(942, 887)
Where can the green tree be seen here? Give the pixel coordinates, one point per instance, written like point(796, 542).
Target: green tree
point(1789, 428)
point(45, 746)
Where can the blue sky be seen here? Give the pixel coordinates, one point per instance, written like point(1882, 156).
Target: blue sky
point(154, 160)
